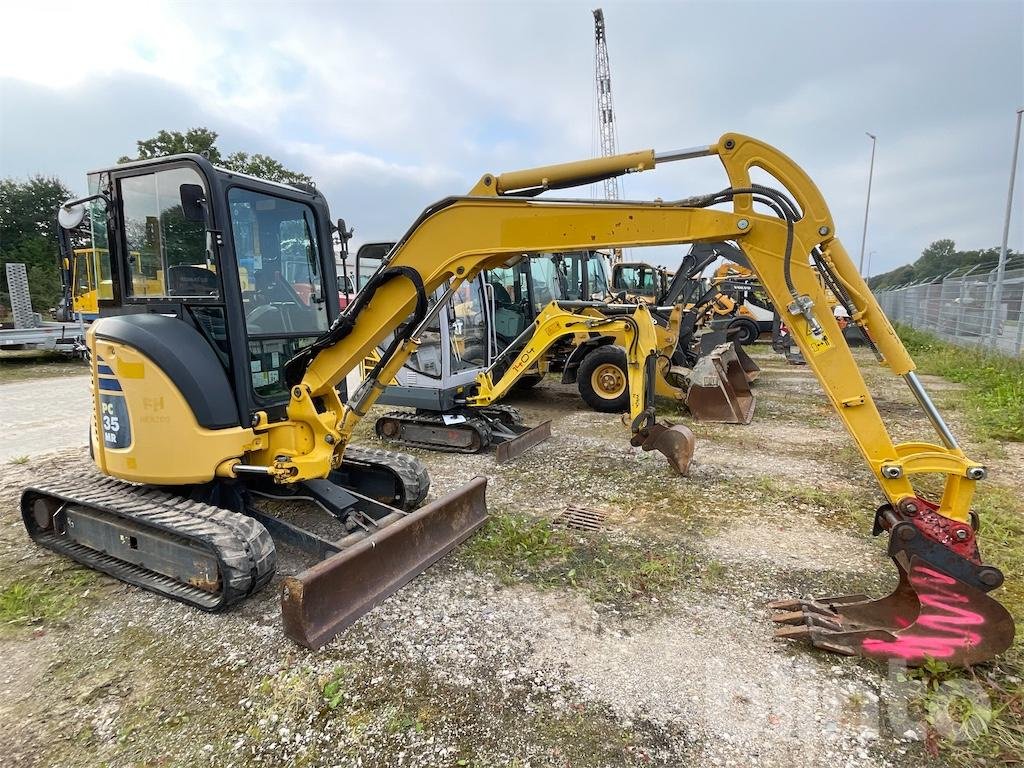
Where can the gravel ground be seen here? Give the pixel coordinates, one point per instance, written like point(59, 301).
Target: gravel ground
point(462, 668)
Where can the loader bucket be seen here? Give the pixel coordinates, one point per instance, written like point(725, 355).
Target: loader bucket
point(719, 390)
point(325, 599)
point(932, 613)
point(674, 441)
point(750, 369)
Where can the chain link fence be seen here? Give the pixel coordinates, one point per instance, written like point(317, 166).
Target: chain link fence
point(961, 307)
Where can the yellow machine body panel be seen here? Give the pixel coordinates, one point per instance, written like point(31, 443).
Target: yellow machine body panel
point(144, 429)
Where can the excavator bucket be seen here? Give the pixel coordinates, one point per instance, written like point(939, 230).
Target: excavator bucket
point(674, 441)
point(939, 610)
point(327, 598)
point(719, 390)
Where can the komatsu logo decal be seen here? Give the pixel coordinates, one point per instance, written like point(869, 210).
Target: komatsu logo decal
point(114, 424)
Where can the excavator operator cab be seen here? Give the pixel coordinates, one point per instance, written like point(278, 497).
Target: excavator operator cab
point(641, 281)
point(584, 275)
point(230, 272)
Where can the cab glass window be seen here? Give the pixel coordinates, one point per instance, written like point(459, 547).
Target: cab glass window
point(546, 285)
point(99, 270)
point(167, 254)
point(597, 278)
point(278, 264)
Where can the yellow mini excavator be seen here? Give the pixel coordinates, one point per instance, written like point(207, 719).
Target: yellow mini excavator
point(221, 389)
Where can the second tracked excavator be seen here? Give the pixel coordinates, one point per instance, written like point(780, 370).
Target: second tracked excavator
point(221, 390)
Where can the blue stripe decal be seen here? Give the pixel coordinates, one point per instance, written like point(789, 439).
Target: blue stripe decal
point(104, 370)
point(109, 385)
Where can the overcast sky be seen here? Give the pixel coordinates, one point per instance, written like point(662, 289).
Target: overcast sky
point(390, 106)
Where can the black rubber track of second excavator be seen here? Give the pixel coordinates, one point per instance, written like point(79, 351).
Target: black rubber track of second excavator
point(243, 547)
point(411, 472)
point(479, 426)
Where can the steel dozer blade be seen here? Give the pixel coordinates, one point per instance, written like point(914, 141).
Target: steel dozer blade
point(719, 390)
point(517, 446)
point(674, 441)
point(325, 599)
point(939, 610)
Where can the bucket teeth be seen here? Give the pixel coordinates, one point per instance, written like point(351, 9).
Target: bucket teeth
point(930, 615)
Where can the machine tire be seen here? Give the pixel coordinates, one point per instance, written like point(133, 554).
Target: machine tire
point(528, 382)
point(602, 380)
point(746, 331)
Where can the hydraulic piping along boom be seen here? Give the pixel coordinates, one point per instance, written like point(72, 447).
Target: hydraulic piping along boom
point(789, 241)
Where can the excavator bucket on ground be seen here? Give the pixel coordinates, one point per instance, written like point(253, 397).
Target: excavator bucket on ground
point(327, 598)
point(673, 441)
point(718, 388)
point(939, 609)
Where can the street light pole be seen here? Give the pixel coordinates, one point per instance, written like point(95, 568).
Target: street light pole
point(867, 205)
point(997, 294)
point(870, 254)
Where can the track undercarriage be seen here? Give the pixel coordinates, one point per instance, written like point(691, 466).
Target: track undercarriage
point(464, 430)
point(213, 545)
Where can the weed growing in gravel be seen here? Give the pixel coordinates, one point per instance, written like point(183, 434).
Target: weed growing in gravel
point(521, 549)
point(18, 460)
point(405, 709)
point(995, 382)
point(842, 509)
point(40, 600)
point(972, 718)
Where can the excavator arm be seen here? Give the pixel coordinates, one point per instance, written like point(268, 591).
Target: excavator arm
point(640, 340)
point(790, 243)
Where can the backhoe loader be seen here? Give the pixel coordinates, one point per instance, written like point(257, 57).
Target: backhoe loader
point(696, 365)
point(711, 379)
point(224, 390)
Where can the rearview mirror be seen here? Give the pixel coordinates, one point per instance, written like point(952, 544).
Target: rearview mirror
point(70, 215)
point(193, 202)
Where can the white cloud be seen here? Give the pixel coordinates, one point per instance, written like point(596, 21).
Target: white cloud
point(390, 105)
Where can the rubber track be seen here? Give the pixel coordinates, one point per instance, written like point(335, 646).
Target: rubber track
point(243, 547)
point(411, 472)
point(478, 425)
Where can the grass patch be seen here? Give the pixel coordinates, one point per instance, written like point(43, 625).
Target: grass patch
point(518, 548)
point(995, 383)
point(18, 460)
point(41, 600)
point(846, 510)
point(1002, 544)
point(22, 366)
point(970, 719)
point(403, 708)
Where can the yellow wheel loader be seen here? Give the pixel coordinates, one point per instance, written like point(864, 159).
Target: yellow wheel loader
point(696, 365)
point(222, 391)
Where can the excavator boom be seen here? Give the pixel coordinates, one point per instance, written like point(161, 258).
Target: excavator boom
point(790, 244)
point(794, 252)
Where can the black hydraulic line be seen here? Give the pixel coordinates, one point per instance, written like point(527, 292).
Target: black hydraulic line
point(296, 367)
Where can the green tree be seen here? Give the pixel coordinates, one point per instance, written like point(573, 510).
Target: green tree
point(938, 259)
point(203, 141)
point(28, 234)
